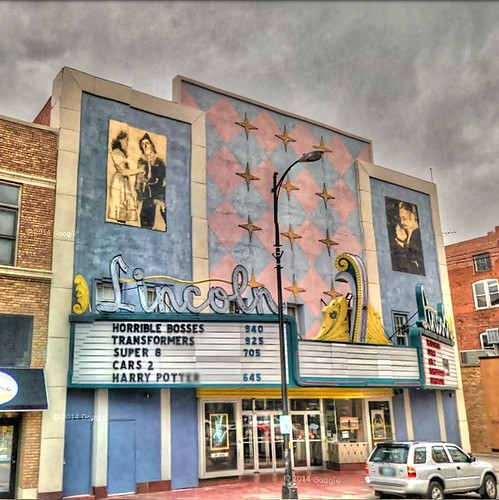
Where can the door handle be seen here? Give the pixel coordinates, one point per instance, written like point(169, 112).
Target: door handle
point(459, 468)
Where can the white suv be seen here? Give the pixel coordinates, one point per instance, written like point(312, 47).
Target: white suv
point(428, 469)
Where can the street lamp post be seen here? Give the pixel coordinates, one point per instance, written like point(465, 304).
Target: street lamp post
point(289, 489)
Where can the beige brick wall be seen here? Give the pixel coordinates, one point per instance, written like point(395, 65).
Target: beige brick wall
point(28, 150)
point(28, 156)
point(475, 409)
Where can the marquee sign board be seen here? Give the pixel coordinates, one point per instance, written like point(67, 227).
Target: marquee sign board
point(322, 363)
point(186, 352)
point(433, 336)
point(439, 363)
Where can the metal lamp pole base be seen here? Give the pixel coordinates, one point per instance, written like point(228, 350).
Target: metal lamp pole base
point(289, 489)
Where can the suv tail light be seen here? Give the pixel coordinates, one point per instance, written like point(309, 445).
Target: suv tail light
point(367, 469)
point(411, 472)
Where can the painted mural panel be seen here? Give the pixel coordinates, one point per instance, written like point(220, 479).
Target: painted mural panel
point(136, 177)
point(404, 235)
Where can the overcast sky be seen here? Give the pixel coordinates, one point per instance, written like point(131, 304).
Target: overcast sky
point(421, 80)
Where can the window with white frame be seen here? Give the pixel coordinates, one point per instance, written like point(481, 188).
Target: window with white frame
point(486, 294)
point(400, 329)
point(484, 341)
point(104, 292)
point(9, 214)
point(482, 262)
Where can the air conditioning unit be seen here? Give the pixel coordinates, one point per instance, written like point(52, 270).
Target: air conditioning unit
point(492, 335)
point(470, 358)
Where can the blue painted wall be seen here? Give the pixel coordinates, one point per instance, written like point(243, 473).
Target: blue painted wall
point(97, 241)
point(78, 442)
point(450, 417)
point(399, 417)
point(121, 462)
point(398, 288)
point(184, 438)
point(425, 415)
point(132, 405)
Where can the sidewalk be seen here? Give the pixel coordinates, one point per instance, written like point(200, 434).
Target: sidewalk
point(311, 485)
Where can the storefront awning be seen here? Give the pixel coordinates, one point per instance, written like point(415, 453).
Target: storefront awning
point(22, 389)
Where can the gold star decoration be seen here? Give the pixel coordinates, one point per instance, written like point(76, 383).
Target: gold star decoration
point(289, 187)
point(324, 195)
point(250, 227)
point(248, 176)
point(322, 146)
point(292, 236)
point(328, 242)
point(332, 292)
point(285, 138)
point(247, 126)
point(252, 282)
point(295, 289)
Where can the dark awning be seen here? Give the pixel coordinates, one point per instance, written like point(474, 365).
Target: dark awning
point(22, 389)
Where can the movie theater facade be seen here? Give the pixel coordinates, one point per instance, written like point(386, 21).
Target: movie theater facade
point(164, 308)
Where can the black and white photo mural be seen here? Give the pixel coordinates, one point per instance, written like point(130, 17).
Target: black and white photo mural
point(136, 177)
point(404, 236)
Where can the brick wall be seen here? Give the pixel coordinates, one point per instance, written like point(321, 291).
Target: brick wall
point(29, 444)
point(474, 399)
point(43, 117)
point(469, 321)
point(30, 151)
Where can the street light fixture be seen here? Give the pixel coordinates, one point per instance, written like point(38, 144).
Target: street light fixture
point(289, 489)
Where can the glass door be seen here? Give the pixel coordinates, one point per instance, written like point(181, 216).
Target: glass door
point(307, 440)
point(278, 442)
point(222, 455)
point(299, 442)
point(264, 441)
point(263, 445)
point(314, 438)
point(9, 428)
point(248, 444)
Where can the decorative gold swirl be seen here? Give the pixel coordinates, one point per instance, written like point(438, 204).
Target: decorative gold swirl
point(342, 262)
point(82, 295)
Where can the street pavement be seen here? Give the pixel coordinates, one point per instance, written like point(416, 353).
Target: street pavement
point(311, 485)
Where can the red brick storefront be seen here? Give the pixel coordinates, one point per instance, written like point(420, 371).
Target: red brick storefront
point(471, 264)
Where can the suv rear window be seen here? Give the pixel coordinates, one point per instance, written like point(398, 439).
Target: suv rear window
point(395, 454)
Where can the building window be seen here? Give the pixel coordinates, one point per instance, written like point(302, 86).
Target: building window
point(296, 311)
point(484, 341)
point(486, 294)
point(9, 213)
point(234, 308)
point(482, 262)
point(400, 329)
point(15, 339)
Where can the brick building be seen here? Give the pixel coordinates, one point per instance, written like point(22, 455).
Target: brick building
point(473, 267)
point(28, 159)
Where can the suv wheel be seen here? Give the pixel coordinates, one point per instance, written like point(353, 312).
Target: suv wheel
point(380, 494)
point(489, 487)
point(435, 491)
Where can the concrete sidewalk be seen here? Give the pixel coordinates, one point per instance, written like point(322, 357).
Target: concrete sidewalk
point(312, 485)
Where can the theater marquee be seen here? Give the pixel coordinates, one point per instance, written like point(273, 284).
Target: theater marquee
point(190, 352)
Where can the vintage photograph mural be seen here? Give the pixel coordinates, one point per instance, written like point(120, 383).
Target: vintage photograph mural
point(405, 238)
point(136, 177)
